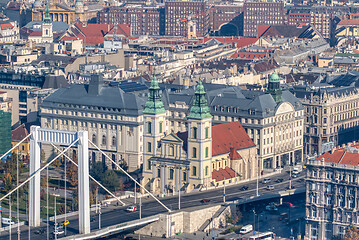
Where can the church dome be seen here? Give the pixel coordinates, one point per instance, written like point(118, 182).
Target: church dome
point(79, 3)
point(274, 78)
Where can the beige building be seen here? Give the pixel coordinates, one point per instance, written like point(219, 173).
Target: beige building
point(331, 116)
point(201, 157)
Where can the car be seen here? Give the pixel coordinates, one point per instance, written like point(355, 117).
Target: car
point(266, 180)
point(59, 226)
point(244, 188)
point(279, 180)
point(40, 231)
point(58, 232)
point(270, 187)
point(92, 219)
point(294, 175)
point(205, 201)
point(131, 209)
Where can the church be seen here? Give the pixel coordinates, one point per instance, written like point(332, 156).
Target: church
point(202, 157)
point(45, 34)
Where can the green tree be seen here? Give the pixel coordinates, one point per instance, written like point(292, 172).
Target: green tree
point(352, 232)
point(72, 174)
point(7, 181)
point(110, 180)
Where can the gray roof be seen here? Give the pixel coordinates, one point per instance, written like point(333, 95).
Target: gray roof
point(104, 96)
point(56, 26)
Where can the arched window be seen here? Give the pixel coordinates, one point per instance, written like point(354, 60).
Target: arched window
point(94, 138)
point(194, 133)
point(171, 174)
point(149, 127)
point(194, 152)
point(113, 141)
point(103, 140)
point(171, 151)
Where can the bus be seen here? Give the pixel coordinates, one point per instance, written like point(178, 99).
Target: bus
point(263, 236)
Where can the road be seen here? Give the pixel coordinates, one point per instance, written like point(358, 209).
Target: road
point(114, 215)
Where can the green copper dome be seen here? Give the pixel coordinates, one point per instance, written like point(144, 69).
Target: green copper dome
point(199, 109)
point(154, 104)
point(274, 78)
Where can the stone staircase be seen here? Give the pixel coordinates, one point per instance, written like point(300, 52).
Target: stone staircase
point(210, 220)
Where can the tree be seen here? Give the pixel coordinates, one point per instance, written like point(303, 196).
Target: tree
point(56, 163)
point(97, 171)
point(352, 232)
point(42, 155)
point(72, 174)
point(43, 182)
point(110, 180)
point(7, 181)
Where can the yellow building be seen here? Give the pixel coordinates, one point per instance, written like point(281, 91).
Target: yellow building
point(59, 11)
point(204, 156)
point(16, 136)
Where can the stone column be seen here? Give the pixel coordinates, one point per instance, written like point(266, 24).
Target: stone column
point(162, 179)
point(177, 178)
point(165, 182)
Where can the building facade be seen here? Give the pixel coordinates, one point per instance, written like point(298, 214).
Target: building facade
point(332, 193)
point(331, 116)
point(112, 118)
point(142, 20)
point(182, 16)
point(202, 157)
point(261, 13)
point(273, 120)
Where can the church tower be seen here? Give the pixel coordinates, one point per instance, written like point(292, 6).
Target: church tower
point(274, 87)
point(199, 150)
point(154, 124)
point(47, 34)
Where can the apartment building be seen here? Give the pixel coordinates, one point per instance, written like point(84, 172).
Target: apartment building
point(261, 13)
point(273, 120)
point(142, 20)
point(112, 118)
point(332, 193)
point(331, 115)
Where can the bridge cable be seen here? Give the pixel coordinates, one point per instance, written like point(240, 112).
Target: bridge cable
point(65, 196)
point(39, 170)
point(169, 210)
point(15, 146)
point(10, 217)
point(92, 178)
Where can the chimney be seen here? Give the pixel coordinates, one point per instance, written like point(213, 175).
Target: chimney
point(96, 83)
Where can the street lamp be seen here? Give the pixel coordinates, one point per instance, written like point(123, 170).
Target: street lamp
point(254, 221)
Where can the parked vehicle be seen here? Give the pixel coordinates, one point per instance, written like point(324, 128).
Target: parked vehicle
point(131, 208)
point(246, 229)
point(270, 187)
point(7, 221)
point(205, 200)
point(58, 232)
point(244, 188)
point(279, 180)
point(266, 180)
point(297, 169)
point(271, 207)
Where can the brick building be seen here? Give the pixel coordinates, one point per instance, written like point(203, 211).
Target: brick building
point(142, 20)
point(260, 13)
point(220, 15)
point(179, 15)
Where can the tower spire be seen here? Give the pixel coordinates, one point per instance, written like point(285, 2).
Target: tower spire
point(200, 109)
point(154, 104)
point(47, 18)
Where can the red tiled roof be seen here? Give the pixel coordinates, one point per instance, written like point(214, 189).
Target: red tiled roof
point(5, 26)
point(36, 34)
point(262, 29)
point(234, 155)
point(248, 55)
point(229, 135)
point(221, 174)
point(349, 22)
point(19, 133)
point(67, 38)
point(342, 155)
point(122, 29)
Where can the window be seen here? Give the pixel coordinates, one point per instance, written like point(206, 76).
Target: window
point(171, 174)
point(160, 127)
point(113, 141)
point(194, 171)
point(171, 151)
point(207, 132)
point(103, 140)
point(149, 147)
point(194, 152)
point(184, 176)
point(149, 127)
point(207, 150)
point(94, 138)
point(148, 164)
point(158, 172)
point(194, 133)
point(206, 171)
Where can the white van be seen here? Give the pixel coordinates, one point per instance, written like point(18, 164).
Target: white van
point(246, 229)
point(7, 221)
